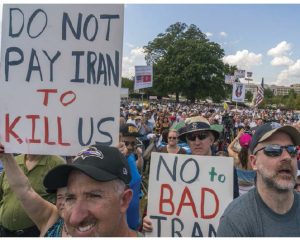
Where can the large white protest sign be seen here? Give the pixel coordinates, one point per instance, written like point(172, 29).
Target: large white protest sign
point(60, 77)
point(188, 194)
point(143, 77)
point(238, 92)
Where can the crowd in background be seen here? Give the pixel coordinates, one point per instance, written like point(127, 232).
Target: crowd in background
point(144, 128)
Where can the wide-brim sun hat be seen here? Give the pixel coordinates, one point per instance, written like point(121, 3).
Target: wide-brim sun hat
point(196, 124)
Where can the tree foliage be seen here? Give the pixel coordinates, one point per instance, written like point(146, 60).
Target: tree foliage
point(127, 83)
point(185, 62)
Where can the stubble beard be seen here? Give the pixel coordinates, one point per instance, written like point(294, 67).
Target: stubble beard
point(275, 181)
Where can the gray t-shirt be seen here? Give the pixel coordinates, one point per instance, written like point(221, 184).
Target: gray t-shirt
point(249, 216)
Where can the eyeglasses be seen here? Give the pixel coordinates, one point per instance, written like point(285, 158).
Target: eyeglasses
point(172, 138)
point(200, 136)
point(127, 143)
point(274, 150)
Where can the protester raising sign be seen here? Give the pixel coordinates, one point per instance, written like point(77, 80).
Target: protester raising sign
point(60, 77)
point(188, 194)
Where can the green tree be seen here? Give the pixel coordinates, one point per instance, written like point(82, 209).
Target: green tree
point(249, 96)
point(127, 83)
point(268, 93)
point(186, 62)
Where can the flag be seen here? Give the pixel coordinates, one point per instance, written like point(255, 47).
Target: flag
point(225, 106)
point(260, 93)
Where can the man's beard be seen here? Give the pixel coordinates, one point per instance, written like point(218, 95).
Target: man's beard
point(276, 181)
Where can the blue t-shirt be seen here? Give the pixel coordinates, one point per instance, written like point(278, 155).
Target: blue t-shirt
point(133, 211)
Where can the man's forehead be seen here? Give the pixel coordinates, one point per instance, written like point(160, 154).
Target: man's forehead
point(79, 179)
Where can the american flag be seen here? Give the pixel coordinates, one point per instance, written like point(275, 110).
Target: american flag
point(260, 93)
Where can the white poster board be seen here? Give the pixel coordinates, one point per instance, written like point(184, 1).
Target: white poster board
point(188, 194)
point(60, 76)
point(238, 92)
point(143, 77)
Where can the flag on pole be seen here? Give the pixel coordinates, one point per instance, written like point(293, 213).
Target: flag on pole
point(260, 93)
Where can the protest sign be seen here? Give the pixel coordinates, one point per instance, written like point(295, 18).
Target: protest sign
point(238, 92)
point(143, 77)
point(239, 73)
point(188, 194)
point(60, 76)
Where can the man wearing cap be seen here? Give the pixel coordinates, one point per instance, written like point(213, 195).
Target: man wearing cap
point(272, 208)
point(128, 134)
point(98, 195)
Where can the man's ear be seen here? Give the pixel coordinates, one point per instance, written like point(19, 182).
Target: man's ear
point(253, 161)
point(125, 200)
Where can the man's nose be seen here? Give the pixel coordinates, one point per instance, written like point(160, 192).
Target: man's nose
point(78, 213)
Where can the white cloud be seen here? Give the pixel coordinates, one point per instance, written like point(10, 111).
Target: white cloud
point(243, 59)
point(208, 34)
point(223, 34)
point(289, 75)
point(136, 57)
point(282, 48)
point(281, 61)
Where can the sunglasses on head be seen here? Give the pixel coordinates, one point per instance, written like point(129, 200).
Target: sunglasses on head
point(127, 143)
point(274, 150)
point(200, 136)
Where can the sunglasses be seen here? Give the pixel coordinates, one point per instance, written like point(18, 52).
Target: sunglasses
point(200, 136)
point(172, 138)
point(274, 150)
point(127, 143)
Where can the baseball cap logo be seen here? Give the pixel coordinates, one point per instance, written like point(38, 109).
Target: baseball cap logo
point(90, 152)
point(125, 172)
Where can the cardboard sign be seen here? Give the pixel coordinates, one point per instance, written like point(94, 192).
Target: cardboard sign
point(238, 92)
point(60, 77)
point(188, 194)
point(143, 77)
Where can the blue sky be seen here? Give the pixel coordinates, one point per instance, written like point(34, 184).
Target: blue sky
point(261, 38)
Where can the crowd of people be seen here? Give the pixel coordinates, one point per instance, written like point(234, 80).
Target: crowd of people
point(99, 192)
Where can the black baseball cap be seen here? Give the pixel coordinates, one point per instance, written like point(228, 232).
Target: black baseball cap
point(102, 163)
point(129, 130)
point(266, 130)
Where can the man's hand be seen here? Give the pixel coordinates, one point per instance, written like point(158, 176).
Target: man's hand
point(147, 224)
